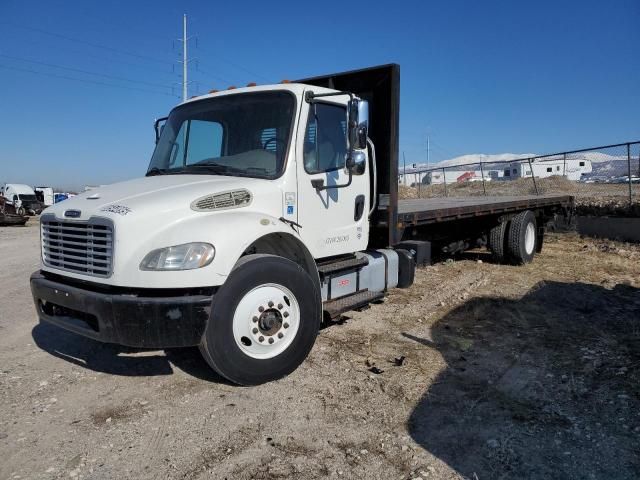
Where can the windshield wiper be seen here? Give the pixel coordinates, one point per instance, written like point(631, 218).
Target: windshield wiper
point(215, 167)
point(155, 171)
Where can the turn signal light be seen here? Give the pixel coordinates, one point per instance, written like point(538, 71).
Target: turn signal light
point(251, 84)
point(285, 81)
point(214, 91)
point(232, 87)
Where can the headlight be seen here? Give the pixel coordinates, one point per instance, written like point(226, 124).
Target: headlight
point(179, 257)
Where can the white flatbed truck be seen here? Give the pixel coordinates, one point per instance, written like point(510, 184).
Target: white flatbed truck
point(263, 209)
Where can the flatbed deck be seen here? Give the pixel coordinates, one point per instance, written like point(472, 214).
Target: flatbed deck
point(422, 211)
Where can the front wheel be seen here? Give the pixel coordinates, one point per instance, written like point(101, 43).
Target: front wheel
point(264, 320)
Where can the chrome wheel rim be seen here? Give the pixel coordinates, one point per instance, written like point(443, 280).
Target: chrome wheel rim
point(529, 238)
point(266, 321)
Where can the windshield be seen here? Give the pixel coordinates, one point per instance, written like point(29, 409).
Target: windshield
point(240, 135)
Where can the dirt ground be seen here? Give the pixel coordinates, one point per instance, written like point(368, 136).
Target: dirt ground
point(508, 372)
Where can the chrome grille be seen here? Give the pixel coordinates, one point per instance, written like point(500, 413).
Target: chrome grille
point(79, 247)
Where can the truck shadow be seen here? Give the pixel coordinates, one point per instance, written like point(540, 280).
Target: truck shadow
point(120, 360)
point(547, 386)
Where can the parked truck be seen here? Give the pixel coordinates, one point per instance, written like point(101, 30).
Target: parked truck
point(264, 210)
point(45, 196)
point(21, 199)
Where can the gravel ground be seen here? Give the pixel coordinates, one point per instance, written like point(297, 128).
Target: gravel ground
point(488, 372)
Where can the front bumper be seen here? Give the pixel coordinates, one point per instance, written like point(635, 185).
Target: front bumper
point(122, 318)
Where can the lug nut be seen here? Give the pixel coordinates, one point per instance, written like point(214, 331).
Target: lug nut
point(261, 309)
point(286, 325)
point(255, 319)
point(255, 330)
point(280, 335)
point(279, 306)
point(261, 339)
point(270, 304)
point(285, 314)
point(271, 340)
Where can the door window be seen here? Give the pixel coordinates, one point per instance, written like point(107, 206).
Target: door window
point(325, 143)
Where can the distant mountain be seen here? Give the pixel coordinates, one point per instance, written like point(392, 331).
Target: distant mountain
point(470, 159)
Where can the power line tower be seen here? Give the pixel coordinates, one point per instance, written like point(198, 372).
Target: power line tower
point(185, 60)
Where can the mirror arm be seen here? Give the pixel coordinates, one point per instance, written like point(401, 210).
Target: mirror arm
point(156, 125)
point(318, 184)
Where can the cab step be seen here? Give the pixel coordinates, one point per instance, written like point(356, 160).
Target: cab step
point(341, 265)
point(356, 301)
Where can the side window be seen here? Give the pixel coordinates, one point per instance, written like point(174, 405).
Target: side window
point(325, 143)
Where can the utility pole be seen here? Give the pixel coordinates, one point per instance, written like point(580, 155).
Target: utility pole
point(428, 149)
point(185, 60)
point(404, 174)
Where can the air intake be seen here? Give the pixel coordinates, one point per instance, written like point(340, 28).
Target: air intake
point(222, 201)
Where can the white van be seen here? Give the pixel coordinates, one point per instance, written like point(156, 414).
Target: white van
point(22, 198)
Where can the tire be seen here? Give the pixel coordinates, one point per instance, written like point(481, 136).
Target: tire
point(20, 211)
point(249, 346)
point(497, 240)
point(522, 238)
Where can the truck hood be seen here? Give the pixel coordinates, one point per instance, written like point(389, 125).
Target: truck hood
point(156, 195)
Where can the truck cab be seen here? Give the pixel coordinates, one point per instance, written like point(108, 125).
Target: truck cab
point(251, 224)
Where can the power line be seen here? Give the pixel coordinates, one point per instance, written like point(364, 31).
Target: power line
point(91, 44)
point(72, 69)
point(222, 79)
point(246, 70)
point(122, 62)
point(95, 82)
point(129, 53)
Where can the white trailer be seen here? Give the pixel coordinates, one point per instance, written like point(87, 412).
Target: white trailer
point(573, 169)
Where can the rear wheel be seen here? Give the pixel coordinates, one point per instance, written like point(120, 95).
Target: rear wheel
point(263, 322)
point(497, 242)
point(522, 238)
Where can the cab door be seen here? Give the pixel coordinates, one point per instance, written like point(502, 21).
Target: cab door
point(335, 220)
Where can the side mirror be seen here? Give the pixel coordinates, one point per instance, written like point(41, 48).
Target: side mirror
point(357, 162)
point(358, 123)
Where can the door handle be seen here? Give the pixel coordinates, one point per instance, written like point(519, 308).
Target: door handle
point(359, 208)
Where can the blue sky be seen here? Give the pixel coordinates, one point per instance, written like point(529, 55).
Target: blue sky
point(479, 77)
